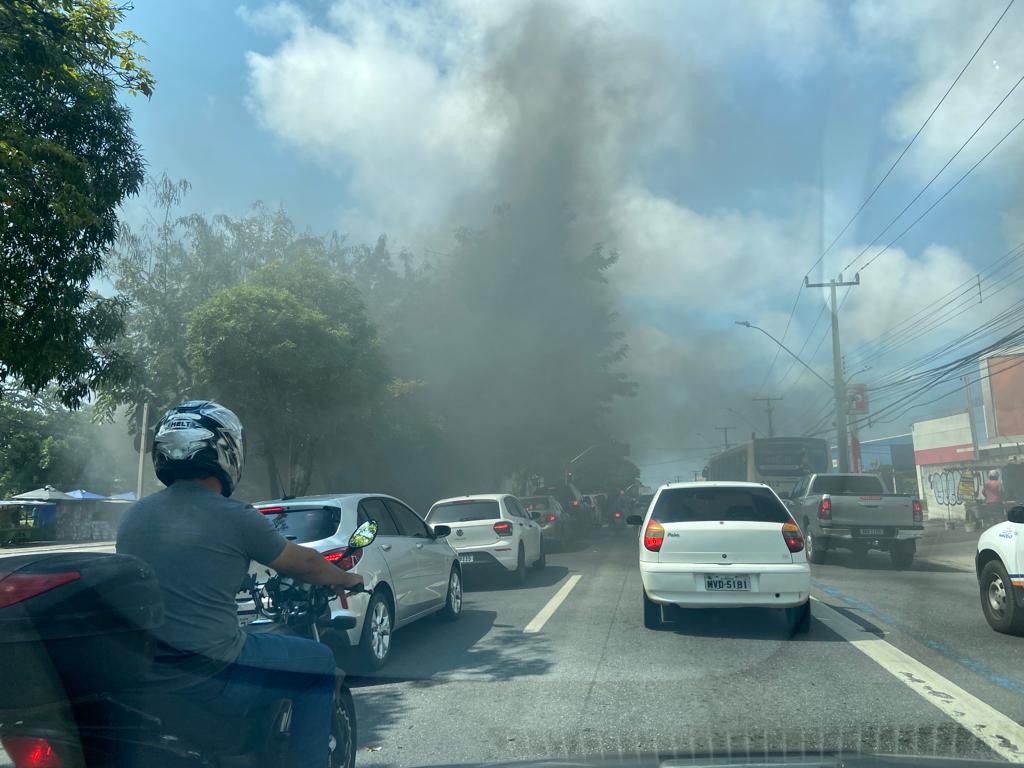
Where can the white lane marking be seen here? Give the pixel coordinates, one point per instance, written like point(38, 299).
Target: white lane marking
point(537, 622)
point(994, 729)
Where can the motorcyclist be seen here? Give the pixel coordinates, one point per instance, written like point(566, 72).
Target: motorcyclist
point(200, 542)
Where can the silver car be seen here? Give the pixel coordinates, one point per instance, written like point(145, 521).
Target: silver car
point(410, 571)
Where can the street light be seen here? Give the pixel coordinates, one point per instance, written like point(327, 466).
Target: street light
point(748, 324)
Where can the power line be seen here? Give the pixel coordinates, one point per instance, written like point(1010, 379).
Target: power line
point(878, 185)
point(931, 181)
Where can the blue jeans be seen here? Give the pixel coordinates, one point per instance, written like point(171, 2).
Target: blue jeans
point(272, 667)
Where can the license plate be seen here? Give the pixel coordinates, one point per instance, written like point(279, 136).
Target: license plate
point(872, 531)
point(465, 558)
point(727, 583)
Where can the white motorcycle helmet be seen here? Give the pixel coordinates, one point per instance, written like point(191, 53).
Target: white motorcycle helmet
point(199, 438)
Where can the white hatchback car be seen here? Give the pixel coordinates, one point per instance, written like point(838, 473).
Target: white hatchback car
point(491, 530)
point(410, 571)
point(722, 545)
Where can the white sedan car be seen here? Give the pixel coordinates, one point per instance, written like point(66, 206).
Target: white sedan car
point(722, 545)
point(410, 570)
point(999, 563)
point(491, 530)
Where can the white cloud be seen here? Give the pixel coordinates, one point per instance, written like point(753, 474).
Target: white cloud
point(928, 44)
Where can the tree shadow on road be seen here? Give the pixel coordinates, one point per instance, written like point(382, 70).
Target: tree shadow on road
point(432, 652)
point(741, 624)
point(879, 561)
point(497, 579)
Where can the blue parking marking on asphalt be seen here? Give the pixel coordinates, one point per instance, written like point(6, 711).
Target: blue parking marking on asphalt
point(973, 665)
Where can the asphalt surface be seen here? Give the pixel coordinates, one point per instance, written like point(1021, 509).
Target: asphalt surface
point(594, 682)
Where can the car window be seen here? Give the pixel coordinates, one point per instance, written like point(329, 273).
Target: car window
point(463, 511)
point(518, 507)
point(537, 503)
point(302, 524)
point(374, 509)
point(513, 508)
point(409, 523)
point(691, 505)
point(848, 485)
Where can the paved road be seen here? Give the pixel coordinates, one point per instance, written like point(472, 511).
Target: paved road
point(594, 681)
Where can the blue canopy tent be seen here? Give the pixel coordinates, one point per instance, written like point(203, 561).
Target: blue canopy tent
point(84, 495)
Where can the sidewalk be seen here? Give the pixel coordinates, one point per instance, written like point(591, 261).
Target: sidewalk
point(81, 546)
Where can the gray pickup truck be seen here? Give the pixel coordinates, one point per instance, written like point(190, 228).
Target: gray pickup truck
point(853, 511)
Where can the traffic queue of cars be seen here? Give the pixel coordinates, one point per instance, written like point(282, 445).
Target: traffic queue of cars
point(414, 567)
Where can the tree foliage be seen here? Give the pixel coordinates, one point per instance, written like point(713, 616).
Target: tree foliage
point(294, 353)
point(68, 157)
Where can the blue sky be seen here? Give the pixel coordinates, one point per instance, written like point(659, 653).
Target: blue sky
point(723, 145)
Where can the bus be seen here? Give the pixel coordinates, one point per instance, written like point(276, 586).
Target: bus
point(775, 461)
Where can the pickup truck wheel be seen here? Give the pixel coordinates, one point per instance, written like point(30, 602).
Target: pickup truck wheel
point(902, 554)
point(998, 600)
point(815, 547)
point(652, 614)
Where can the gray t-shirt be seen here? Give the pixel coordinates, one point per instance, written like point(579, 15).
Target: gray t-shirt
point(199, 544)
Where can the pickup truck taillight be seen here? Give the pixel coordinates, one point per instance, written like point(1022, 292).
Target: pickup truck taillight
point(918, 511)
point(825, 508)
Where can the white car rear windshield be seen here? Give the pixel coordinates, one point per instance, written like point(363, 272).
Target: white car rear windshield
point(464, 512)
point(692, 505)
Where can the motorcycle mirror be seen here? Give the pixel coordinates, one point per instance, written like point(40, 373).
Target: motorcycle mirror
point(363, 536)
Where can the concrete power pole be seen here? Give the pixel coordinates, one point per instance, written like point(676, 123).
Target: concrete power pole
point(769, 408)
point(838, 383)
point(725, 435)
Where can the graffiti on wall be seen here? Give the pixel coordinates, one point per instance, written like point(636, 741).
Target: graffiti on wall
point(951, 487)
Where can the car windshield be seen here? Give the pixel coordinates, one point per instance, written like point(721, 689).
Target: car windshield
point(464, 512)
point(695, 505)
point(571, 300)
point(849, 485)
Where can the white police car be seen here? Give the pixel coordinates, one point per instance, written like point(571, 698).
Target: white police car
point(999, 563)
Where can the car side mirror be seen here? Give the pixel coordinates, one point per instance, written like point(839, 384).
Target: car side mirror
point(634, 520)
point(440, 531)
point(363, 536)
point(1015, 514)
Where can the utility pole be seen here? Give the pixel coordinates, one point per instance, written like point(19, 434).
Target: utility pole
point(725, 435)
point(768, 408)
point(838, 383)
point(143, 440)
point(970, 416)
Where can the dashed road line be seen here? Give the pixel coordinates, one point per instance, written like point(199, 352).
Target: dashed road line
point(537, 622)
point(995, 730)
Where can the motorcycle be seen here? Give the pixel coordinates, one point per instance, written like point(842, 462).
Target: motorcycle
point(79, 701)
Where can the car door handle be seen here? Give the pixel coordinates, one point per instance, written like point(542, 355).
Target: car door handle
point(386, 547)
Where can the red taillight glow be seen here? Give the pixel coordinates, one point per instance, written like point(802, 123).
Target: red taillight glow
point(346, 562)
point(791, 533)
point(654, 536)
point(551, 517)
point(15, 587)
point(617, 514)
point(270, 510)
point(918, 511)
point(825, 509)
point(503, 528)
point(575, 503)
point(31, 752)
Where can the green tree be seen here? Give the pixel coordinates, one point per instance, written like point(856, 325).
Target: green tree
point(295, 355)
point(68, 157)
